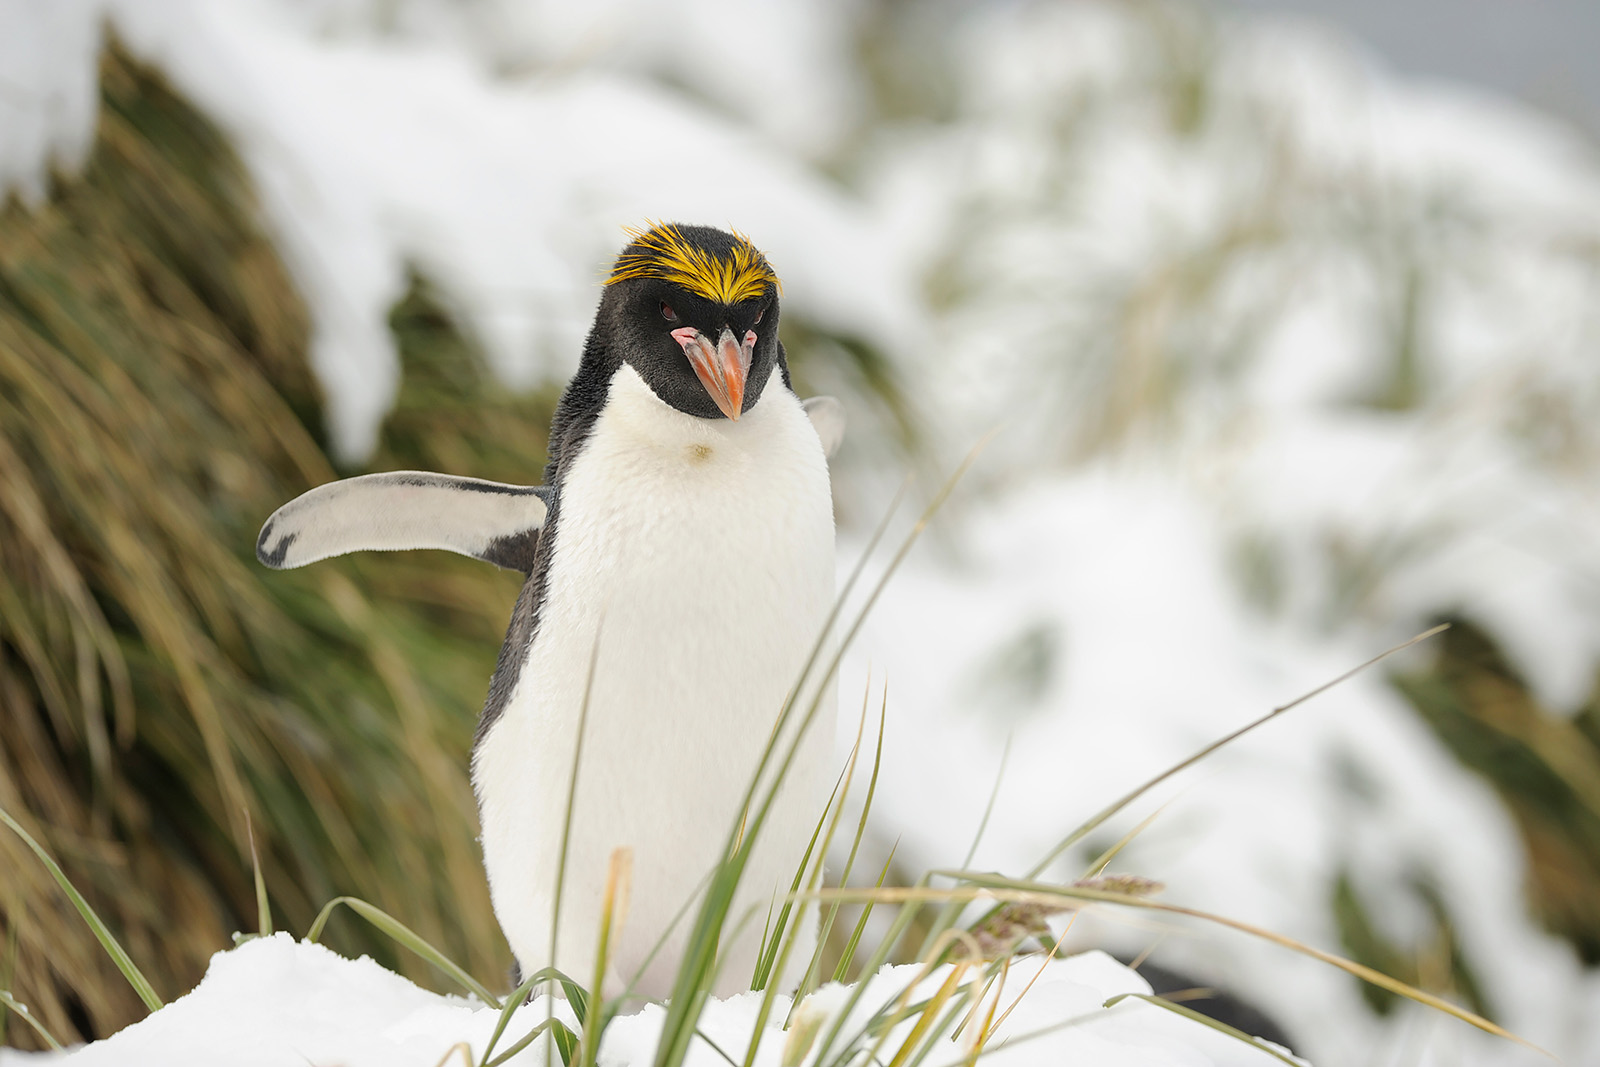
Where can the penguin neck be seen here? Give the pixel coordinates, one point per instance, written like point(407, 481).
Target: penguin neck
point(636, 414)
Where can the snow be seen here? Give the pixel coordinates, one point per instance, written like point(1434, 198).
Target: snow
point(800, 94)
point(48, 88)
point(277, 1001)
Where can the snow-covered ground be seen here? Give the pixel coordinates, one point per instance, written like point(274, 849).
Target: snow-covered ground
point(1292, 356)
point(276, 1001)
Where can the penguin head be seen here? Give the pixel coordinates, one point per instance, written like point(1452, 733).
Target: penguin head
point(694, 310)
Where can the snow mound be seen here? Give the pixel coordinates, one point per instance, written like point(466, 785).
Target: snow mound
point(278, 1002)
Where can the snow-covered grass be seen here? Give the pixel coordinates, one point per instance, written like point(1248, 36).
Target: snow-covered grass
point(1094, 634)
point(1294, 357)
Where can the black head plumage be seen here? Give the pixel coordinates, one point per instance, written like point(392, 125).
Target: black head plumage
point(694, 310)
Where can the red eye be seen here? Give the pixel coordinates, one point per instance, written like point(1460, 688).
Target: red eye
point(667, 312)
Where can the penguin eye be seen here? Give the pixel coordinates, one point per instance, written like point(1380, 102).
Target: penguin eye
point(667, 312)
point(759, 314)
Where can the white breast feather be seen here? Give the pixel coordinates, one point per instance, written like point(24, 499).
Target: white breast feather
point(707, 549)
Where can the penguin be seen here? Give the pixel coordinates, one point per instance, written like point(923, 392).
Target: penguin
point(682, 542)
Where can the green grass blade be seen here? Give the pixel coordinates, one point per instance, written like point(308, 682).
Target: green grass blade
point(566, 1042)
point(403, 935)
point(102, 934)
point(22, 1012)
point(901, 1008)
point(799, 1039)
point(950, 1025)
point(835, 804)
point(1011, 1042)
point(577, 998)
point(513, 1003)
point(1116, 806)
point(766, 931)
point(988, 809)
point(841, 789)
point(772, 938)
point(888, 1017)
point(808, 982)
point(929, 1025)
point(263, 909)
point(519, 996)
point(528, 1038)
point(1205, 1020)
point(896, 930)
point(701, 1034)
point(733, 937)
point(849, 955)
point(1122, 802)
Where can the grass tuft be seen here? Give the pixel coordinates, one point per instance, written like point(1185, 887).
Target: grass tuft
point(403, 935)
point(263, 906)
point(160, 687)
point(21, 1011)
point(113, 948)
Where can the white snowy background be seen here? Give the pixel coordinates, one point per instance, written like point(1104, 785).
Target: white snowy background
point(1182, 262)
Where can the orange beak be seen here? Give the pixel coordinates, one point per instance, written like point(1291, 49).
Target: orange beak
point(721, 368)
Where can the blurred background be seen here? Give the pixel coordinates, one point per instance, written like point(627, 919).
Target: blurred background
point(1286, 313)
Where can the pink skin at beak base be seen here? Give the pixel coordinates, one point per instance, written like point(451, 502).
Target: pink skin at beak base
point(721, 368)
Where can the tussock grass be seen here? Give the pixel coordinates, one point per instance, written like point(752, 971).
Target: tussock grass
point(160, 691)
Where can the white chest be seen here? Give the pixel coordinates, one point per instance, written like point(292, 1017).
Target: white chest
point(678, 532)
point(694, 558)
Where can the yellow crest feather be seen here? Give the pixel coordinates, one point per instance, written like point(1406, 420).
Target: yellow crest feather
point(662, 251)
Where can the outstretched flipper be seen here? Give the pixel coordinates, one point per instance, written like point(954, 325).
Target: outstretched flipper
point(490, 521)
point(827, 418)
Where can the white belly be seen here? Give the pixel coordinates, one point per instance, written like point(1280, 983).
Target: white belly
point(701, 554)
